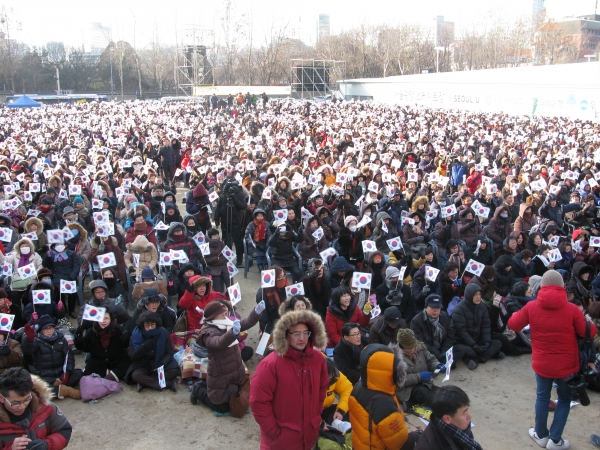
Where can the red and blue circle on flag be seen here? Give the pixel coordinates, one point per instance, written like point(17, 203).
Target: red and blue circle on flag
point(93, 312)
point(4, 322)
point(267, 278)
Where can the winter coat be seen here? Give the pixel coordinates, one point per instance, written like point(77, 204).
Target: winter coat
point(337, 317)
point(555, 325)
point(82, 245)
point(62, 270)
point(450, 289)
point(167, 156)
point(13, 359)
point(110, 246)
point(41, 243)
point(380, 333)
point(6, 222)
point(186, 245)
point(309, 247)
point(406, 307)
point(50, 309)
point(581, 290)
point(468, 231)
point(225, 363)
point(416, 287)
point(143, 357)
point(148, 255)
point(375, 413)
point(190, 301)
point(504, 280)
point(346, 357)
point(47, 422)
point(471, 324)
point(483, 256)
point(330, 227)
point(281, 244)
point(140, 288)
point(349, 245)
point(48, 355)
point(498, 229)
point(167, 315)
point(425, 333)
point(196, 205)
point(113, 356)
point(256, 249)
point(289, 377)
point(216, 261)
point(319, 300)
point(149, 233)
point(411, 237)
point(381, 237)
point(521, 223)
point(458, 170)
point(443, 232)
point(15, 256)
point(519, 269)
point(433, 438)
point(223, 214)
point(343, 388)
point(121, 313)
point(516, 303)
point(426, 362)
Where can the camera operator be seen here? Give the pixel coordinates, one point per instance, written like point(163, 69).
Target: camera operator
point(228, 213)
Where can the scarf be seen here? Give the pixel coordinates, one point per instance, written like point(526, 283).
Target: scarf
point(465, 438)
point(138, 337)
point(438, 330)
point(140, 227)
point(224, 324)
point(50, 339)
point(62, 256)
point(5, 308)
point(105, 334)
point(273, 299)
point(543, 259)
point(259, 230)
point(24, 260)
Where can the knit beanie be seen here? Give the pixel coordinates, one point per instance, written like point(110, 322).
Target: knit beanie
point(44, 322)
point(349, 219)
point(77, 199)
point(391, 272)
point(149, 295)
point(552, 278)
point(148, 273)
point(406, 338)
point(213, 309)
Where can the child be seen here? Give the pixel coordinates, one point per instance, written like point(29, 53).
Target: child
point(216, 262)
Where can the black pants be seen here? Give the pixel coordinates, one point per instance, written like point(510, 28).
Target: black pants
point(233, 236)
point(168, 173)
point(201, 394)
point(119, 369)
point(297, 274)
point(469, 353)
point(149, 378)
point(422, 395)
point(19, 298)
point(220, 282)
point(515, 347)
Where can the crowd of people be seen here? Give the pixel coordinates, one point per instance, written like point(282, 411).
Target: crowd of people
point(394, 234)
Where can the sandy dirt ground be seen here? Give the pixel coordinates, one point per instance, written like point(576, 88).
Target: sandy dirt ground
point(502, 397)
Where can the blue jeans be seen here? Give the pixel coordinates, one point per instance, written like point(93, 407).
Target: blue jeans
point(563, 406)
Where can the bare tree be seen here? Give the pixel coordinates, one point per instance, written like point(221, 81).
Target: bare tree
point(11, 51)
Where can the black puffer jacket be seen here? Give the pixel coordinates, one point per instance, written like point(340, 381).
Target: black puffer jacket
point(67, 269)
point(424, 332)
point(504, 280)
point(48, 355)
point(470, 322)
point(113, 356)
point(281, 243)
point(167, 315)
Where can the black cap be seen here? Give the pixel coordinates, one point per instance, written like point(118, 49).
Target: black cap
point(392, 315)
point(433, 301)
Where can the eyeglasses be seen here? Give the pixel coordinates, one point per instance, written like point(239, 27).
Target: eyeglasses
point(17, 404)
point(299, 334)
point(354, 335)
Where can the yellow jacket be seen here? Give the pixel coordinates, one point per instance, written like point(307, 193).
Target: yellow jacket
point(407, 277)
point(341, 387)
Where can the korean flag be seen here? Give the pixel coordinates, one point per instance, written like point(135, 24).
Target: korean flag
point(394, 243)
point(55, 237)
point(369, 246)
point(233, 271)
point(165, 259)
point(228, 253)
point(27, 271)
point(7, 269)
point(235, 293)
point(199, 239)
point(5, 234)
point(68, 287)
point(475, 267)
point(280, 214)
point(101, 217)
point(361, 280)
point(41, 296)
point(205, 249)
point(294, 289)
point(162, 382)
point(267, 278)
point(93, 313)
point(74, 189)
point(107, 260)
point(431, 273)
point(6, 321)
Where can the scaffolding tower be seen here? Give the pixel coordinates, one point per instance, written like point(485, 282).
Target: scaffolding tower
point(316, 78)
point(194, 67)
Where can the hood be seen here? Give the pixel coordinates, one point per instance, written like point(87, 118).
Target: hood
point(321, 209)
point(503, 262)
point(317, 339)
point(185, 268)
point(340, 264)
point(288, 186)
point(381, 217)
point(382, 368)
point(256, 189)
point(141, 244)
point(286, 306)
point(462, 214)
point(499, 211)
point(417, 201)
point(5, 221)
point(44, 394)
point(135, 206)
point(54, 178)
point(258, 210)
point(580, 268)
point(199, 280)
point(32, 221)
point(18, 245)
point(534, 282)
point(190, 217)
point(168, 194)
point(200, 191)
point(471, 290)
point(173, 227)
point(144, 301)
point(522, 208)
point(551, 297)
point(82, 231)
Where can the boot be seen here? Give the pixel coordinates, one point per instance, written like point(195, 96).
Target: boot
point(66, 391)
point(522, 350)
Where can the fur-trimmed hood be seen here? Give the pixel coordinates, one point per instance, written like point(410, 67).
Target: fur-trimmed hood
point(141, 244)
point(417, 201)
point(286, 305)
point(42, 396)
point(385, 373)
point(55, 178)
point(199, 280)
point(135, 206)
point(17, 246)
point(317, 339)
point(82, 231)
point(32, 221)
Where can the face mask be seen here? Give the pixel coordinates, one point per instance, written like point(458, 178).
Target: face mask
point(352, 228)
point(25, 250)
point(75, 232)
point(504, 216)
point(368, 213)
point(442, 203)
point(47, 281)
point(137, 166)
point(60, 248)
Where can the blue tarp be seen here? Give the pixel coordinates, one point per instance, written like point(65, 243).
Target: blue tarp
point(24, 102)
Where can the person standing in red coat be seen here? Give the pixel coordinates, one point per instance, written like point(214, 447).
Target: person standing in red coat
point(555, 326)
point(290, 384)
point(342, 309)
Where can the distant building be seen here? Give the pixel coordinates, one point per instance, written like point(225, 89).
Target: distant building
point(538, 12)
point(324, 28)
point(96, 38)
point(442, 32)
point(568, 40)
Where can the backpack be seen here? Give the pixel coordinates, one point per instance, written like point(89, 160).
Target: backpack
point(334, 440)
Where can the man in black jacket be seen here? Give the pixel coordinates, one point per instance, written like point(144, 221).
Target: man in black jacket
point(167, 156)
point(228, 213)
point(432, 326)
point(384, 329)
point(346, 355)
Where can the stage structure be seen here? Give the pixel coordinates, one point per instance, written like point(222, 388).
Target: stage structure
point(193, 64)
point(316, 78)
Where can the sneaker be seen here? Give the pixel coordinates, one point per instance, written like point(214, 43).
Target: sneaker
point(562, 445)
point(472, 365)
point(595, 440)
point(542, 442)
point(499, 355)
point(552, 406)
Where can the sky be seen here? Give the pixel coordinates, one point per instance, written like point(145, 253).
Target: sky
point(137, 21)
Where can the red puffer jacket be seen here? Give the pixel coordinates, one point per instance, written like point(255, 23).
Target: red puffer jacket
point(555, 325)
point(336, 318)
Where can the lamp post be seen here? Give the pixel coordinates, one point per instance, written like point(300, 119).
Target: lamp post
point(112, 87)
point(437, 58)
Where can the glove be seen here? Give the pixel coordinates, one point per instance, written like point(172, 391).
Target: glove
point(420, 239)
point(326, 221)
point(258, 309)
point(480, 350)
point(60, 305)
point(425, 376)
point(101, 247)
point(29, 332)
point(237, 327)
point(426, 290)
point(447, 226)
point(472, 224)
point(367, 308)
point(4, 350)
point(441, 367)
point(132, 269)
point(458, 282)
point(34, 316)
point(124, 336)
point(37, 444)
point(79, 332)
point(65, 378)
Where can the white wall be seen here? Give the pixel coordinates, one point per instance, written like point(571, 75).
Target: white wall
point(570, 90)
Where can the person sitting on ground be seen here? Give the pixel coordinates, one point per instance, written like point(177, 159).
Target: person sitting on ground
point(340, 387)
point(148, 256)
point(342, 309)
point(472, 329)
point(49, 349)
point(107, 343)
point(449, 423)
point(384, 328)
point(418, 388)
point(150, 349)
point(245, 350)
point(393, 292)
point(148, 281)
point(225, 365)
point(22, 255)
point(154, 302)
point(346, 354)
point(64, 265)
point(100, 297)
point(116, 289)
point(11, 354)
point(196, 300)
point(28, 419)
point(432, 327)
